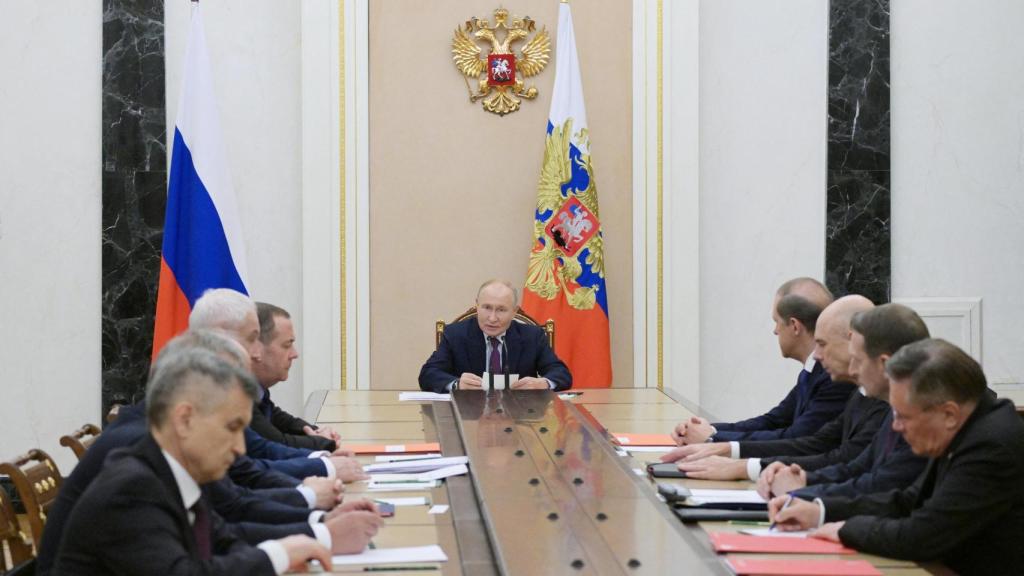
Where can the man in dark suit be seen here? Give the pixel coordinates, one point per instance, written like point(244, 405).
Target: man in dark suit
point(815, 399)
point(277, 334)
point(147, 500)
point(480, 345)
point(840, 440)
point(967, 508)
point(888, 462)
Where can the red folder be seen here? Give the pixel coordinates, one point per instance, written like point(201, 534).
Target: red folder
point(625, 439)
point(790, 567)
point(393, 448)
point(732, 542)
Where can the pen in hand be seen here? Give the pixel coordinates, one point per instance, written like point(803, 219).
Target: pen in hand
point(788, 501)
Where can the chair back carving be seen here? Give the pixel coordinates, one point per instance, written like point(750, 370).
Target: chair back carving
point(80, 439)
point(37, 480)
point(521, 317)
point(18, 544)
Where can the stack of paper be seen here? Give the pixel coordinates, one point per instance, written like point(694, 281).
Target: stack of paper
point(392, 556)
point(411, 466)
point(794, 567)
point(413, 501)
point(423, 396)
point(732, 542)
point(700, 497)
point(400, 457)
point(393, 448)
point(421, 481)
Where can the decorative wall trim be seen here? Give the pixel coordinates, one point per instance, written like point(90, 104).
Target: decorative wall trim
point(963, 313)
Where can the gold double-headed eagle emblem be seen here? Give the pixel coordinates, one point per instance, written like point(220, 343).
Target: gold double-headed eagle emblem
point(500, 74)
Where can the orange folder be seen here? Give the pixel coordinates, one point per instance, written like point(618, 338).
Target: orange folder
point(625, 439)
point(792, 567)
point(732, 542)
point(393, 448)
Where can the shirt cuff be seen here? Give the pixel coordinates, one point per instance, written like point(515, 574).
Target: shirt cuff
point(551, 385)
point(734, 450)
point(277, 554)
point(331, 472)
point(308, 494)
point(451, 386)
point(323, 535)
point(753, 469)
point(315, 517)
point(821, 515)
point(318, 454)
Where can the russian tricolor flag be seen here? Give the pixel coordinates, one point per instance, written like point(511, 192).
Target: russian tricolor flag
point(203, 246)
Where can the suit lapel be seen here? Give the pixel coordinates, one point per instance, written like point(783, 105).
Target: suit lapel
point(513, 342)
point(150, 452)
point(476, 348)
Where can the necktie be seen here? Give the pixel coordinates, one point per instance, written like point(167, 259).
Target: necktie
point(495, 362)
point(201, 529)
point(265, 406)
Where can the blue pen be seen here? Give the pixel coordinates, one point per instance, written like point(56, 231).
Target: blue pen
point(784, 506)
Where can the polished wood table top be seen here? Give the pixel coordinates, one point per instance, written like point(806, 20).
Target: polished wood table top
point(364, 417)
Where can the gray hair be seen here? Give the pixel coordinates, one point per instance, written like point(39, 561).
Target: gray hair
point(222, 308)
point(201, 374)
point(938, 372)
point(215, 341)
point(503, 282)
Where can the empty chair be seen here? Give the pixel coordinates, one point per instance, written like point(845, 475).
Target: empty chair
point(37, 480)
point(80, 439)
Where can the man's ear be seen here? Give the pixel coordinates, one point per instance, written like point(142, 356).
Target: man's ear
point(795, 326)
point(951, 412)
point(182, 417)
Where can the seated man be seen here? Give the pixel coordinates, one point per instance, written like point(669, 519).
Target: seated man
point(478, 345)
point(147, 499)
point(234, 314)
point(841, 440)
point(967, 508)
point(888, 462)
point(277, 334)
point(815, 399)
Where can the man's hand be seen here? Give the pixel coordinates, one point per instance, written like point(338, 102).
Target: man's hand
point(328, 492)
point(829, 531)
point(764, 481)
point(301, 549)
point(323, 432)
point(361, 505)
point(348, 469)
point(799, 515)
point(341, 451)
point(789, 478)
point(469, 381)
point(530, 383)
point(694, 431)
point(352, 531)
point(715, 468)
point(696, 452)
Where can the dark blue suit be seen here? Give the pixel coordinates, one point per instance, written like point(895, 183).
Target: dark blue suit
point(294, 462)
point(814, 401)
point(463, 349)
point(887, 464)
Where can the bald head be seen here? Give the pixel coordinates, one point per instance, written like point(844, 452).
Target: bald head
point(832, 338)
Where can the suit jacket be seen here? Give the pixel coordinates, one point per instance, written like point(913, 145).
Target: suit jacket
point(131, 520)
point(276, 425)
point(813, 402)
point(840, 440)
point(888, 463)
point(966, 509)
point(463, 349)
point(293, 462)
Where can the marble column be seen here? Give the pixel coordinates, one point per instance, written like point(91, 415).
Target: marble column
point(134, 189)
point(857, 248)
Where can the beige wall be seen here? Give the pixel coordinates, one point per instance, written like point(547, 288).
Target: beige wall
point(453, 188)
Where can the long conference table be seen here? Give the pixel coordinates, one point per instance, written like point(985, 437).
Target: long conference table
point(547, 491)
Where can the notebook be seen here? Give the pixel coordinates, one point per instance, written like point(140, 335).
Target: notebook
point(733, 542)
point(791, 567)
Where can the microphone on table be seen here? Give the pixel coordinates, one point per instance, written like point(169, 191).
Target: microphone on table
point(504, 362)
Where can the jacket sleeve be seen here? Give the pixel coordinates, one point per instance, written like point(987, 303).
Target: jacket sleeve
point(826, 438)
point(302, 441)
point(236, 504)
point(288, 423)
point(549, 366)
point(438, 371)
point(825, 405)
point(257, 474)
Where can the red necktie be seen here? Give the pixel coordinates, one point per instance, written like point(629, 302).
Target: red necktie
point(495, 361)
point(201, 530)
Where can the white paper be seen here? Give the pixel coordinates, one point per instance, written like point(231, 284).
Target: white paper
point(499, 380)
point(410, 486)
point(639, 472)
point(412, 501)
point(416, 465)
point(392, 556)
point(698, 496)
point(402, 457)
point(775, 533)
point(569, 395)
point(649, 449)
point(438, 509)
point(380, 479)
point(414, 396)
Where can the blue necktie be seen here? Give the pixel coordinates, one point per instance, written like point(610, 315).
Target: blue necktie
point(265, 407)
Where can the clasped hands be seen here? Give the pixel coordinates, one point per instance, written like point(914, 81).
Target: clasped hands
point(469, 381)
point(696, 430)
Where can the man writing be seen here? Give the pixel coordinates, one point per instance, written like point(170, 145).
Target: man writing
point(815, 399)
point(479, 345)
point(967, 508)
point(888, 461)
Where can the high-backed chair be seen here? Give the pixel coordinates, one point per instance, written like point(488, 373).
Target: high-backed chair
point(37, 480)
point(80, 439)
point(522, 317)
point(19, 545)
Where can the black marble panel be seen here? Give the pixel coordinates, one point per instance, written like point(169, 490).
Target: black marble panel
point(134, 189)
point(857, 250)
point(858, 233)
